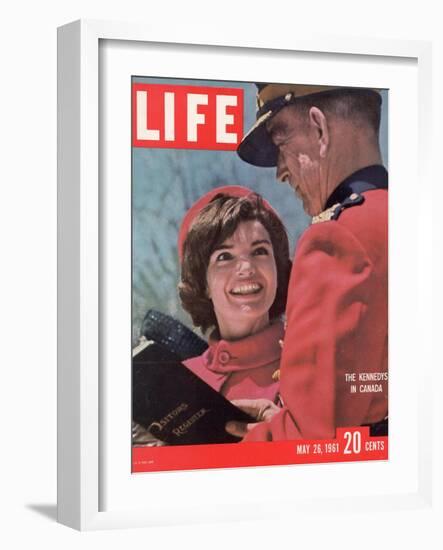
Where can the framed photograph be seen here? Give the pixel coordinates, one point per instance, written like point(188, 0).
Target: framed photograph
point(220, 334)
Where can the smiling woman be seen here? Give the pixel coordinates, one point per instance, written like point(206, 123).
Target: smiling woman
point(235, 268)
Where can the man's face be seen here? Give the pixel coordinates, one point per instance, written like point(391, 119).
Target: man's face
point(299, 162)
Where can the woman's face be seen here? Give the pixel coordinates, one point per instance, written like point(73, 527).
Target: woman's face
point(242, 281)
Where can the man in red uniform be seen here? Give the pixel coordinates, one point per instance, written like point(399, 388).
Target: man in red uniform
point(324, 144)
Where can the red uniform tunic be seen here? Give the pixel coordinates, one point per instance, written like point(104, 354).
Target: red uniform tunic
point(337, 324)
point(243, 368)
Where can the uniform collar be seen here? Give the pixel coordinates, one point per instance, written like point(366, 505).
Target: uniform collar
point(251, 352)
point(366, 179)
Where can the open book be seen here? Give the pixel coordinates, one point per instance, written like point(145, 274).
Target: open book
point(173, 404)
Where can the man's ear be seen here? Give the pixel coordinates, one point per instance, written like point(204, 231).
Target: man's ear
point(318, 121)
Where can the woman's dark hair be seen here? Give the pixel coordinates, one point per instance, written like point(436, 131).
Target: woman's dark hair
point(215, 223)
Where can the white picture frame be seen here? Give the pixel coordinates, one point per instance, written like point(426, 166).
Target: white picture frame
point(95, 487)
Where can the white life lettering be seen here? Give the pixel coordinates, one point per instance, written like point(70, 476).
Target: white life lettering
point(169, 116)
point(195, 118)
point(143, 132)
point(223, 119)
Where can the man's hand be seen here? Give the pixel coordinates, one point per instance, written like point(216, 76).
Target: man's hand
point(260, 409)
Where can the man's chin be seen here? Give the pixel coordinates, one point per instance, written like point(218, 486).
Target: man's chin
point(307, 207)
point(310, 209)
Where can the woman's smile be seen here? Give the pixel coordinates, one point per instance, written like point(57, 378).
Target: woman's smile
point(247, 289)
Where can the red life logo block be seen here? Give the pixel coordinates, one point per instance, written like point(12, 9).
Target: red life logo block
point(186, 117)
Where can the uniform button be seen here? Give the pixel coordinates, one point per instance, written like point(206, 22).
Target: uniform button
point(224, 357)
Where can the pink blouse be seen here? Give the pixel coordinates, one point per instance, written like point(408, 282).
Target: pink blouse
point(242, 369)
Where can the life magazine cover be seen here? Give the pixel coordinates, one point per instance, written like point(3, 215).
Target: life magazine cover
point(259, 274)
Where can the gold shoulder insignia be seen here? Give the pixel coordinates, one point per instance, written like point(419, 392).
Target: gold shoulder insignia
point(334, 211)
point(326, 215)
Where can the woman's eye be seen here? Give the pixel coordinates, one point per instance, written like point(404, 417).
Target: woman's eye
point(261, 251)
point(223, 257)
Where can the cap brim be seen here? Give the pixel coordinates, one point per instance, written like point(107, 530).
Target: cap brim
point(257, 147)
